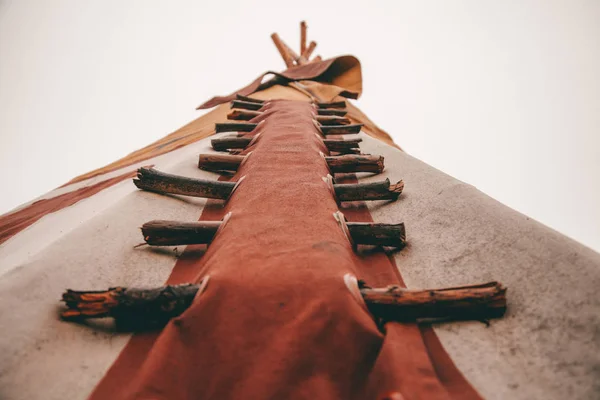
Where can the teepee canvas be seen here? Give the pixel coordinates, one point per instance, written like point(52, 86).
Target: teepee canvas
point(289, 249)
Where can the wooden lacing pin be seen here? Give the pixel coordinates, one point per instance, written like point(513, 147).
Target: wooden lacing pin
point(243, 115)
point(221, 162)
point(335, 104)
point(331, 111)
point(340, 129)
point(331, 120)
point(234, 127)
point(228, 143)
point(133, 308)
point(246, 105)
point(249, 99)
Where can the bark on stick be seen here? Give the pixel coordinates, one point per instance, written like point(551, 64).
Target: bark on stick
point(246, 105)
point(368, 191)
point(234, 127)
point(159, 182)
point(331, 111)
point(243, 115)
point(478, 302)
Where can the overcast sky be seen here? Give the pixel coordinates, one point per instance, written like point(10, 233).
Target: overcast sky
point(504, 95)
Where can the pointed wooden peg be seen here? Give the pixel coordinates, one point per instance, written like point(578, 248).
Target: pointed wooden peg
point(138, 308)
point(155, 181)
point(341, 129)
point(355, 163)
point(220, 162)
point(246, 105)
point(249, 99)
point(332, 120)
point(368, 191)
point(335, 104)
point(473, 302)
point(235, 127)
point(368, 233)
point(226, 143)
point(330, 111)
point(243, 115)
point(340, 145)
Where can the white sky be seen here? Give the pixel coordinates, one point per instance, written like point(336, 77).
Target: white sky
point(504, 95)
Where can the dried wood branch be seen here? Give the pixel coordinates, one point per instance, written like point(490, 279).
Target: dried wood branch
point(246, 105)
point(355, 163)
point(332, 120)
point(159, 182)
point(219, 162)
point(138, 308)
point(341, 129)
point(226, 143)
point(249, 99)
point(391, 235)
point(236, 127)
point(474, 302)
point(331, 111)
point(174, 233)
point(335, 104)
point(340, 145)
point(368, 191)
point(243, 115)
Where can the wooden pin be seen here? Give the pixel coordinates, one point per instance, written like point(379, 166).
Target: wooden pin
point(335, 104)
point(340, 145)
point(226, 143)
point(330, 111)
point(332, 120)
point(249, 99)
point(368, 191)
point(243, 115)
point(159, 182)
point(341, 129)
point(246, 105)
point(235, 127)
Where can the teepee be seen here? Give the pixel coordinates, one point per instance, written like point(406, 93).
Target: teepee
point(289, 249)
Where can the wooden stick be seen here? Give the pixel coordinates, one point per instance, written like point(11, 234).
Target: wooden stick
point(249, 99)
point(355, 163)
point(237, 127)
point(477, 302)
point(219, 162)
point(287, 58)
point(337, 164)
point(329, 111)
point(148, 308)
point(332, 120)
point(368, 191)
point(246, 105)
point(159, 182)
point(139, 308)
point(341, 129)
point(335, 104)
point(226, 143)
point(243, 115)
point(367, 233)
point(303, 29)
point(309, 50)
point(298, 58)
point(174, 233)
point(341, 145)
